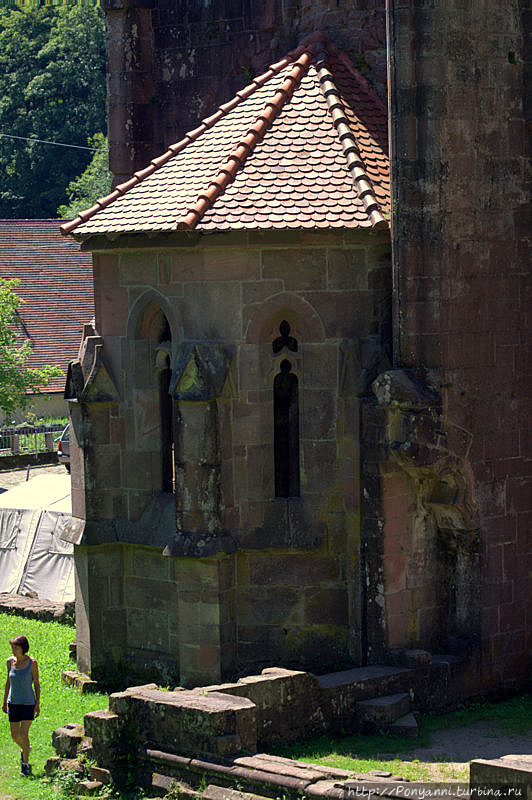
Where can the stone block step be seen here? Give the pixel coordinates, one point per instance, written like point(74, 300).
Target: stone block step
point(405, 726)
point(362, 675)
point(89, 787)
point(362, 683)
point(381, 711)
point(161, 785)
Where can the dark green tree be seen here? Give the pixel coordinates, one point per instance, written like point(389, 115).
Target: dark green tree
point(52, 87)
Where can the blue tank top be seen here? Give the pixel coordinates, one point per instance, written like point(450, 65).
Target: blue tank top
point(21, 685)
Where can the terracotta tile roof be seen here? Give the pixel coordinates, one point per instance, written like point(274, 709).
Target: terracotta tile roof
point(56, 283)
point(304, 145)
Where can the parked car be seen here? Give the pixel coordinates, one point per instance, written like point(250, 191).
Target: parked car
point(63, 448)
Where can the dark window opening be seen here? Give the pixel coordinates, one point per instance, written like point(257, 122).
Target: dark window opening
point(165, 334)
point(167, 428)
point(284, 340)
point(286, 431)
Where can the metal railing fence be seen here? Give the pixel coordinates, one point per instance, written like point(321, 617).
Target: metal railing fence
point(23, 439)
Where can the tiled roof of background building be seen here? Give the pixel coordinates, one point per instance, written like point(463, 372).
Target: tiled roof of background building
point(56, 284)
point(304, 145)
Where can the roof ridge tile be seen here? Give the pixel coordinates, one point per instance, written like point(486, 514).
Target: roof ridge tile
point(355, 164)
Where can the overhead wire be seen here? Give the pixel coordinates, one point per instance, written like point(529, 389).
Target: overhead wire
point(46, 141)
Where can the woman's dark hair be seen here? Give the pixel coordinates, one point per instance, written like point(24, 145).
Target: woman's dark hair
point(21, 641)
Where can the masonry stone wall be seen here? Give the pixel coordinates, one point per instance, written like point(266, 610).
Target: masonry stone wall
point(169, 64)
point(222, 576)
point(462, 238)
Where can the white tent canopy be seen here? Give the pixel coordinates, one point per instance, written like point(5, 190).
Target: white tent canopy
point(33, 557)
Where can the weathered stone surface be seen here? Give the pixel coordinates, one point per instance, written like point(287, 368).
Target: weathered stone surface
point(81, 682)
point(52, 765)
point(264, 764)
point(189, 721)
point(342, 690)
point(513, 771)
point(100, 774)
point(89, 787)
point(398, 386)
point(405, 726)
point(213, 792)
point(460, 318)
point(325, 789)
point(66, 740)
point(161, 784)
point(282, 698)
point(102, 726)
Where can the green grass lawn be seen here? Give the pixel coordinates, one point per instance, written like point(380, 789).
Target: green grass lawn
point(59, 704)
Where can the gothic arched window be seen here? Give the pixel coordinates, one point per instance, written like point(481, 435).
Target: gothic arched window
point(286, 419)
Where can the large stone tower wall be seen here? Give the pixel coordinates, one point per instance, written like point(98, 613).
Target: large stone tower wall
point(462, 254)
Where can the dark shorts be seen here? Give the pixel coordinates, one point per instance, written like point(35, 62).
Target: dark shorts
point(18, 712)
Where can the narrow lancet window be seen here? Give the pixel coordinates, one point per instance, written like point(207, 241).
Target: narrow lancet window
point(167, 427)
point(286, 431)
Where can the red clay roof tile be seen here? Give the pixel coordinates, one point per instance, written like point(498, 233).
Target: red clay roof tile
point(304, 145)
point(55, 283)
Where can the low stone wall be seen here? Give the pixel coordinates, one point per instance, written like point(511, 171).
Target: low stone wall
point(182, 721)
point(27, 459)
point(34, 608)
point(509, 776)
point(287, 703)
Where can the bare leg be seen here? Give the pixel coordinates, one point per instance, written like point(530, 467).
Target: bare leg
point(15, 733)
point(25, 741)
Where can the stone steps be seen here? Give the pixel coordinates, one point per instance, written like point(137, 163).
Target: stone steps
point(405, 726)
point(378, 713)
point(366, 682)
point(374, 697)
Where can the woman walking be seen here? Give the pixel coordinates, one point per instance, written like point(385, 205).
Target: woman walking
point(21, 697)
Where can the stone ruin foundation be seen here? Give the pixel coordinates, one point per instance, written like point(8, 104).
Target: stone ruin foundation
point(160, 739)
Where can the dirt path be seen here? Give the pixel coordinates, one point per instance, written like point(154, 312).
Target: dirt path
point(451, 751)
point(479, 740)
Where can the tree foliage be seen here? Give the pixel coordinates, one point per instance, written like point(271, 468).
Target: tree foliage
point(93, 183)
point(52, 87)
point(17, 380)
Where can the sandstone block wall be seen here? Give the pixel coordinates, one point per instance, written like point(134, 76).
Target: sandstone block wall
point(462, 255)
